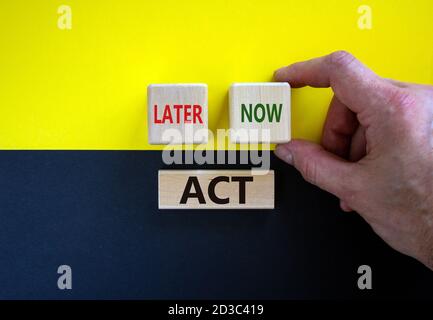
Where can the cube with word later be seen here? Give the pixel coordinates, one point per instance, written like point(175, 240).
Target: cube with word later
point(260, 112)
point(177, 113)
point(215, 189)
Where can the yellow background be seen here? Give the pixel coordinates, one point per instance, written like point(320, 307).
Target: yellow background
point(85, 88)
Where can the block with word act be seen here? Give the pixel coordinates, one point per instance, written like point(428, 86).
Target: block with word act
point(260, 112)
point(177, 113)
point(215, 189)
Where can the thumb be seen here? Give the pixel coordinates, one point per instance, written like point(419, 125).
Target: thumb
point(319, 167)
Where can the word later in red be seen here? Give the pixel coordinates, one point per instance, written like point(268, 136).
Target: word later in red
point(178, 113)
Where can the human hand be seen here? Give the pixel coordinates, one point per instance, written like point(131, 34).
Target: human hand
point(376, 153)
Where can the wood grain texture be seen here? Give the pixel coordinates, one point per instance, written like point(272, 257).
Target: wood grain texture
point(212, 186)
point(182, 107)
point(260, 112)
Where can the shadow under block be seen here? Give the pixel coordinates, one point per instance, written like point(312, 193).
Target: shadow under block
point(260, 112)
point(215, 189)
point(177, 113)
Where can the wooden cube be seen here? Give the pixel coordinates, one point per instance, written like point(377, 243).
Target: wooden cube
point(177, 113)
point(215, 189)
point(260, 112)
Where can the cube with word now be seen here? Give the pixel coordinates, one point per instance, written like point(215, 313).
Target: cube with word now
point(215, 189)
point(177, 113)
point(260, 112)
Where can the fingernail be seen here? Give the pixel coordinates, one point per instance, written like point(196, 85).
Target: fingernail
point(284, 154)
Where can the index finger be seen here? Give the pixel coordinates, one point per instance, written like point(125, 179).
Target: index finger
point(353, 83)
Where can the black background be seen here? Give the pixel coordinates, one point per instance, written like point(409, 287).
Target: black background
point(97, 212)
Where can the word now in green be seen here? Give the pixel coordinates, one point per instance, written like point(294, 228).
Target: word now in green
point(260, 112)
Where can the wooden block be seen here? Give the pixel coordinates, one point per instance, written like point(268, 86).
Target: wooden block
point(215, 189)
point(177, 108)
point(255, 107)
